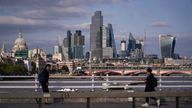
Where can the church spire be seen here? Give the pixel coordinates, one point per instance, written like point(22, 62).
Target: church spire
point(3, 48)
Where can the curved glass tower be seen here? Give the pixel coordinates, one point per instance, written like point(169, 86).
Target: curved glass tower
point(167, 45)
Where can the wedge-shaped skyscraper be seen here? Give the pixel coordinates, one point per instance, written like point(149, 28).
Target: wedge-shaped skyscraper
point(167, 45)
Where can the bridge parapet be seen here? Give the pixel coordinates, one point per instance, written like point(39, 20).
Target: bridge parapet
point(88, 95)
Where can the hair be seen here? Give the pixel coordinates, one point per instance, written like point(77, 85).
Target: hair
point(149, 70)
point(47, 65)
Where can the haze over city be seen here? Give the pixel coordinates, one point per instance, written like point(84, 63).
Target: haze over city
point(41, 22)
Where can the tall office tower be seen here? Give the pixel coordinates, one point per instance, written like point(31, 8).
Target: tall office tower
point(123, 48)
point(107, 50)
point(67, 45)
point(96, 36)
point(167, 45)
point(112, 40)
point(105, 37)
point(77, 43)
point(69, 34)
point(131, 44)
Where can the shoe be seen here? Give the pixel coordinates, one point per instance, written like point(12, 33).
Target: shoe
point(158, 102)
point(145, 105)
point(47, 103)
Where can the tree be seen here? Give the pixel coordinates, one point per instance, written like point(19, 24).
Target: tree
point(12, 69)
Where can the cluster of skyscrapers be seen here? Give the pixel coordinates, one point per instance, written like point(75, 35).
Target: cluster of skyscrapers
point(102, 43)
point(72, 47)
point(133, 50)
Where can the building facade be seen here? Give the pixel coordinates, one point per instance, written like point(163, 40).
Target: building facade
point(77, 43)
point(131, 44)
point(20, 49)
point(135, 48)
point(123, 49)
point(58, 55)
point(74, 45)
point(112, 40)
point(96, 35)
point(167, 46)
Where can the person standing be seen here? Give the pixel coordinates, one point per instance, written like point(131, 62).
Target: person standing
point(149, 81)
point(43, 78)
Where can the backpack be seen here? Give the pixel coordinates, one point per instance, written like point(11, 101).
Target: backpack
point(41, 76)
point(155, 83)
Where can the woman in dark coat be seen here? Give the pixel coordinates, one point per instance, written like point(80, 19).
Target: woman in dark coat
point(149, 81)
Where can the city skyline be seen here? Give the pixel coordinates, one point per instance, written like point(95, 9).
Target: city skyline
point(41, 22)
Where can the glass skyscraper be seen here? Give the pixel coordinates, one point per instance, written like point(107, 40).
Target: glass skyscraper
point(96, 35)
point(112, 40)
point(135, 48)
point(69, 34)
point(131, 44)
point(167, 45)
point(107, 51)
point(77, 43)
point(74, 44)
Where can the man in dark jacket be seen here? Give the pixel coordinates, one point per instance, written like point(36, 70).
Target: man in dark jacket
point(43, 78)
point(150, 87)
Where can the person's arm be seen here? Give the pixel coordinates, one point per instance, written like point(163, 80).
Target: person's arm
point(147, 80)
point(47, 78)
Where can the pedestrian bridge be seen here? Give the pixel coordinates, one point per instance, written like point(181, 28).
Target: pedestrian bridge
point(93, 87)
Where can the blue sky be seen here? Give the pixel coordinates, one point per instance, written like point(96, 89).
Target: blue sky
point(42, 21)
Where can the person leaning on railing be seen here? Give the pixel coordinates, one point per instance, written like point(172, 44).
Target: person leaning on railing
point(43, 78)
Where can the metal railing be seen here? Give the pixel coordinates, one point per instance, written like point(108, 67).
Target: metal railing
point(89, 95)
point(93, 82)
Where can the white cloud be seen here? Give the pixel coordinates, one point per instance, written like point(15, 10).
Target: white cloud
point(161, 24)
point(82, 26)
point(19, 21)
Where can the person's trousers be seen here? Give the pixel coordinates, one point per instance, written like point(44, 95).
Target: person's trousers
point(147, 99)
point(44, 87)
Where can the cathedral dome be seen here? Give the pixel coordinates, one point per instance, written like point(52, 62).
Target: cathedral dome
point(19, 44)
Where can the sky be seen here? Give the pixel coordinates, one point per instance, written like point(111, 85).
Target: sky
point(45, 22)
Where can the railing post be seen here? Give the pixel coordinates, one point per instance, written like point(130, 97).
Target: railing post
point(92, 84)
point(133, 102)
point(36, 86)
point(88, 102)
point(177, 102)
point(160, 81)
point(107, 82)
point(40, 103)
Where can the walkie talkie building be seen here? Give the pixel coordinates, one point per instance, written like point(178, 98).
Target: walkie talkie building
point(167, 45)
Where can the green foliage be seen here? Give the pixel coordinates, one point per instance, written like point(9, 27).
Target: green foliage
point(12, 69)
